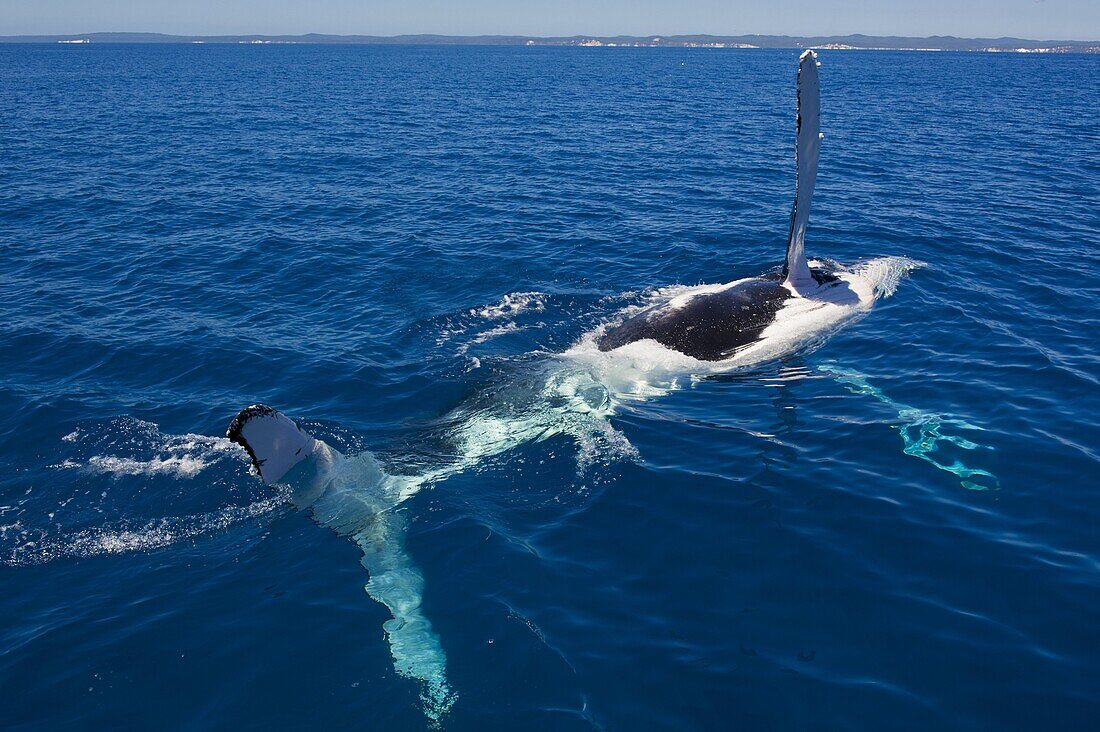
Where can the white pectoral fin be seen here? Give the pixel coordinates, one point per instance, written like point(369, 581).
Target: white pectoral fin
point(273, 441)
point(396, 582)
point(796, 271)
point(355, 497)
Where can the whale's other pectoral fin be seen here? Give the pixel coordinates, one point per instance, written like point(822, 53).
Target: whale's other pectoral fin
point(796, 271)
point(399, 585)
point(273, 441)
point(356, 497)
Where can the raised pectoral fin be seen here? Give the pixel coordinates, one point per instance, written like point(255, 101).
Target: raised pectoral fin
point(796, 271)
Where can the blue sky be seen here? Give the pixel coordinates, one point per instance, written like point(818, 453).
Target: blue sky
point(1043, 19)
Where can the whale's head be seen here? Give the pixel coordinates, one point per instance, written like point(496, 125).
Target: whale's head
point(273, 441)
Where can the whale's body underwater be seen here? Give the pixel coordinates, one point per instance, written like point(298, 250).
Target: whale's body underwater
point(640, 353)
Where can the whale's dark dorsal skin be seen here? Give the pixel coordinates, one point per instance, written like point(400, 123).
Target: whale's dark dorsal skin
point(712, 325)
point(709, 326)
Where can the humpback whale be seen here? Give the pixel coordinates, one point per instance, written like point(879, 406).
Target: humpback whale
point(720, 322)
point(637, 354)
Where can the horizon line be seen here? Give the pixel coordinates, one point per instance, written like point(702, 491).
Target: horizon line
point(945, 42)
point(855, 34)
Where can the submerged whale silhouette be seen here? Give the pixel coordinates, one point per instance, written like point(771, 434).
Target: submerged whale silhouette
point(640, 354)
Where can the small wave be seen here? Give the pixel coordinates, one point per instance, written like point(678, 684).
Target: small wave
point(496, 333)
point(179, 467)
point(486, 336)
point(177, 456)
point(121, 539)
point(512, 304)
point(508, 307)
point(85, 514)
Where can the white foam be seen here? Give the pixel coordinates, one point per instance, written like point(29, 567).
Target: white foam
point(886, 273)
point(145, 452)
point(496, 332)
point(177, 456)
point(155, 534)
point(509, 306)
point(184, 466)
point(488, 335)
point(567, 399)
point(512, 304)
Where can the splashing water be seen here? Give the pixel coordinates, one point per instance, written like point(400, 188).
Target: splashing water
point(512, 304)
point(39, 548)
point(151, 452)
point(924, 434)
point(117, 474)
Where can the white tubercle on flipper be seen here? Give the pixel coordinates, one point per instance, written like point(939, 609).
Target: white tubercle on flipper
point(807, 147)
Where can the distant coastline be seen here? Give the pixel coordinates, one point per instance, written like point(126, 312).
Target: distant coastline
point(849, 42)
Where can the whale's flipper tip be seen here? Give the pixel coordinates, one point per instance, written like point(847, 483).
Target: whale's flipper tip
point(273, 441)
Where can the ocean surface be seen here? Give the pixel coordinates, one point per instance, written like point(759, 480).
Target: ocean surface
point(894, 529)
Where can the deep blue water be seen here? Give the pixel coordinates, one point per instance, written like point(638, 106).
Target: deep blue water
point(898, 530)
